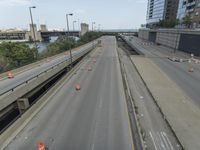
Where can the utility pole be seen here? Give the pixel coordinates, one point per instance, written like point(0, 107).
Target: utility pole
point(32, 24)
point(70, 51)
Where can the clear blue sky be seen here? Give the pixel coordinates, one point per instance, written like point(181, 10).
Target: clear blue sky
point(111, 14)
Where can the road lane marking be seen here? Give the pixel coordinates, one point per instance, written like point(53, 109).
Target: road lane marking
point(162, 143)
point(164, 134)
point(141, 97)
point(153, 140)
point(165, 141)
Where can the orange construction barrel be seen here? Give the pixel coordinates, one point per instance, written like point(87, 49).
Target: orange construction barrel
point(10, 75)
point(77, 86)
point(40, 146)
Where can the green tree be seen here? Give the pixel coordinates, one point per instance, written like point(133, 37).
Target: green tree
point(16, 54)
point(167, 23)
point(89, 36)
point(62, 44)
point(187, 21)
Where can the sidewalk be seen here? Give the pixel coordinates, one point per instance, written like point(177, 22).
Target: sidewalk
point(182, 115)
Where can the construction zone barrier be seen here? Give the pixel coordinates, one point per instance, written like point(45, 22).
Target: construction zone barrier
point(10, 75)
point(77, 86)
point(40, 146)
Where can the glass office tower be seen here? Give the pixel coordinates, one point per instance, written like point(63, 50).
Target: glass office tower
point(155, 11)
point(161, 10)
point(181, 9)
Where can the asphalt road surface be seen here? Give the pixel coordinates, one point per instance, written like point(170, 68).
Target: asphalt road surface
point(94, 118)
point(189, 82)
point(8, 84)
point(157, 134)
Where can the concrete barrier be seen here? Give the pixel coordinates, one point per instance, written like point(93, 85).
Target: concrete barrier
point(7, 136)
point(13, 94)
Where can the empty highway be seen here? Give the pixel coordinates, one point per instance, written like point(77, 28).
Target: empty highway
point(156, 133)
point(94, 118)
point(8, 84)
point(189, 82)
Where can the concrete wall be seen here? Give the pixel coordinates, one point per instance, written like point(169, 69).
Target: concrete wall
point(149, 35)
point(84, 28)
point(190, 43)
point(183, 39)
point(13, 94)
point(168, 38)
point(33, 30)
point(43, 28)
point(143, 34)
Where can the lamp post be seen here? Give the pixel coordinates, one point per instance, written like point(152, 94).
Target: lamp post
point(70, 51)
point(93, 25)
point(32, 24)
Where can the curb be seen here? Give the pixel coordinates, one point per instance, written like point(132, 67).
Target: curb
point(131, 111)
point(160, 109)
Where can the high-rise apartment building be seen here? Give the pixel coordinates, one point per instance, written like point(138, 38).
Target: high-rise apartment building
point(161, 10)
point(191, 8)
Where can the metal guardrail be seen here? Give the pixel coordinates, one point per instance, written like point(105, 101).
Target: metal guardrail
point(51, 67)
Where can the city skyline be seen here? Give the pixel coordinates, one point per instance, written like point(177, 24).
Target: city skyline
point(125, 15)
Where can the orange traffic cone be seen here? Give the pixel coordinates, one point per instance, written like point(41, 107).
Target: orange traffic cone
point(10, 75)
point(40, 146)
point(77, 86)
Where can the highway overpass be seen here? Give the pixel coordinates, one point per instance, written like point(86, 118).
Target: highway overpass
point(40, 35)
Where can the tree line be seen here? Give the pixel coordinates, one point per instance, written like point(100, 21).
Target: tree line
point(14, 55)
point(171, 23)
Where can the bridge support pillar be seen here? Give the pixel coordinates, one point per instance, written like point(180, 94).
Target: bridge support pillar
point(23, 104)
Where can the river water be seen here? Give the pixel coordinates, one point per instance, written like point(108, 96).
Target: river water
point(43, 45)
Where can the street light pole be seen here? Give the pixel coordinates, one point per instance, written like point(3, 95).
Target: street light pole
point(70, 51)
point(32, 24)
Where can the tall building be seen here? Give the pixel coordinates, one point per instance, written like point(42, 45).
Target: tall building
point(161, 10)
point(34, 34)
point(43, 28)
point(84, 28)
point(191, 8)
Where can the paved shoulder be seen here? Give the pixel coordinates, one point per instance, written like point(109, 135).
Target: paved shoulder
point(181, 113)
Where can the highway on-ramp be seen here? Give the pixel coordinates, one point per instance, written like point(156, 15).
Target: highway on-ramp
point(94, 118)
